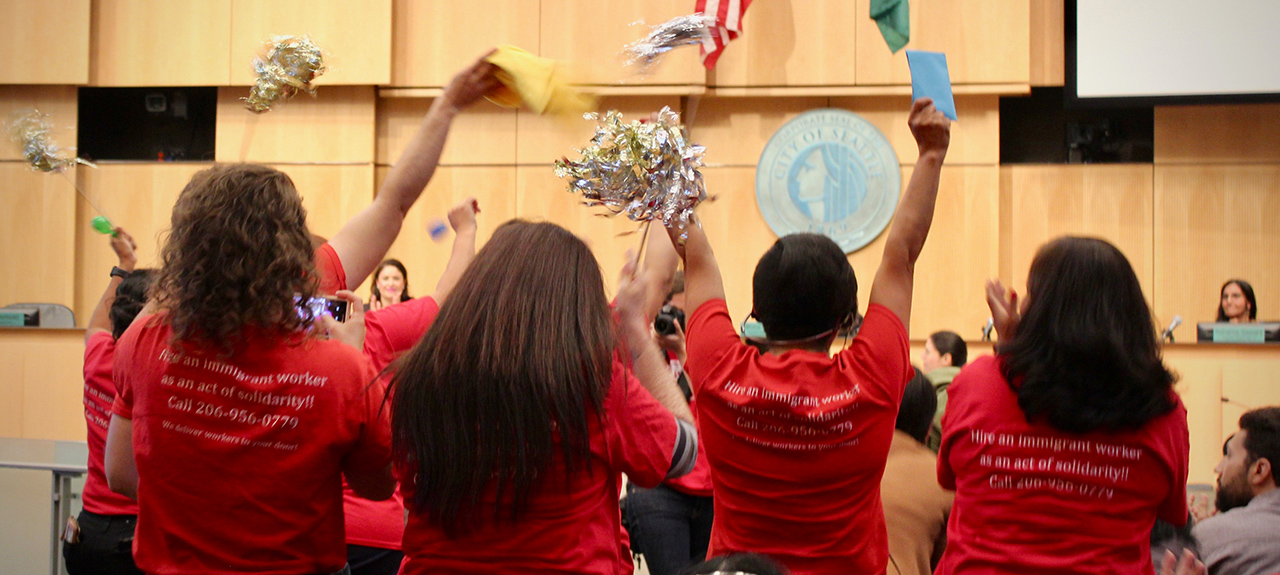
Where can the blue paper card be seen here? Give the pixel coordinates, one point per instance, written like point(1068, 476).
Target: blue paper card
point(930, 79)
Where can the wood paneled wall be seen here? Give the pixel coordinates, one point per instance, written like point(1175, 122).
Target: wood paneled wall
point(1204, 211)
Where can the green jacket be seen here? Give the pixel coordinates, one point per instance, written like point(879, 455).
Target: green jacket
point(941, 379)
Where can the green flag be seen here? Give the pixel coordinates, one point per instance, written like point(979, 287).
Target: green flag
point(894, 19)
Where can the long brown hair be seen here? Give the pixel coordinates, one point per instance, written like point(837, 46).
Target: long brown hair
point(518, 357)
point(238, 255)
point(1086, 352)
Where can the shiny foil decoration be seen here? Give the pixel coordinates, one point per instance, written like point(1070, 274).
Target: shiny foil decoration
point(287, 65)
point(646, 170)
point(690, 30)
point(32, 131)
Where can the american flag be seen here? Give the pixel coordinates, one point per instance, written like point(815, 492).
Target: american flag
point(728, 15)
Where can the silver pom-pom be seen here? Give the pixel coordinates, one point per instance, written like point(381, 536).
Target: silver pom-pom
point(646, 170)
point(690, 30)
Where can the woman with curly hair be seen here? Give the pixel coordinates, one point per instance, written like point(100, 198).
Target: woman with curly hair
point(1065, 446)
point(235, 422)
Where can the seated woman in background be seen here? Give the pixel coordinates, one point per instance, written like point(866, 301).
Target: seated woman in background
point(945, 352)
point(915, 506)
point(246, 421)
point(516, 413)
point(390, 285)
point(1065, 446)
point(1238, 304)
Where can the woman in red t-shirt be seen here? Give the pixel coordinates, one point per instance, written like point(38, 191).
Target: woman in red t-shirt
point(234, 424)
point(1066, 445)
point(516, 413)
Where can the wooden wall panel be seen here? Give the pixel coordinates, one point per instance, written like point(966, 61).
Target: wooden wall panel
point(1048, 43)
point(1234, 134)
point(975, 138)
point(541, 196)
point(433, 39)
point(38, 227)
point(44, 42)
point(484, 134)
point(337, 126)
point(1112, 202)
point(43, 385)
point(735, 130)
point(1213, 223)
point(138, 197)
point(425, 258)
point(544, 139)
point(790, 43)
point(331, 194)
point(1247, 376)
point(58, 102)
point(960, 255)
point(161, 43)
point(588, 36)
point(356, 36)
point(985, 42)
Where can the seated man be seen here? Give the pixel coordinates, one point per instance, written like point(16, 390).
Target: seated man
point(1241, 538)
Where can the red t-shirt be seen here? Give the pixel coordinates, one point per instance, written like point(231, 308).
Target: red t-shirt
point(99, 393)
point(240, 458)
point(797, 442)
point(332, 276)
point(389, 332)
point(564, 530)
point(1032, 499)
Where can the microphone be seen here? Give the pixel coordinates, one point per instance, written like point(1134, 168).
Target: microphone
point(1168, 331)
point(986, 329)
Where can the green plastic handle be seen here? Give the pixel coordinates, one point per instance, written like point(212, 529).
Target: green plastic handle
point(103, 226)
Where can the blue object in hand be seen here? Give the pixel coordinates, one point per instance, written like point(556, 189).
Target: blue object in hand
point(930, 79)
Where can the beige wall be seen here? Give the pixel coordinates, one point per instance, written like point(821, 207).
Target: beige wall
point(1205, 209)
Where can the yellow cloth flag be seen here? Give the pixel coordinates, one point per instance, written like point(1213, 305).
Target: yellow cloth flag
point(533, 81)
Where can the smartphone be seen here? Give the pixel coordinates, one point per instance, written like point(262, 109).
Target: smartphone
point(327, 305)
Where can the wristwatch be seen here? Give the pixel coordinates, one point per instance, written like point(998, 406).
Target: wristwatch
point(116, 272)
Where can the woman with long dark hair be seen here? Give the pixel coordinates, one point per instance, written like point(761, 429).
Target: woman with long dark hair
point(1065, 446)
point(235, 423)
point(1237, 303)
point(516, 412)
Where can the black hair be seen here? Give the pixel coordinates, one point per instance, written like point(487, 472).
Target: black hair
point(131, 297)
point(677, 284)
point(404, 273)
point(752, 563)
point(1262, 437)
point(919, 404)
point(1248, 295)
point(1085, 356)
point(803, 286)
point(951, 342)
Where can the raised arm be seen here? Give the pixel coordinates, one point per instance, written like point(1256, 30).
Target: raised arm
point(893, 283)
point(362, 242)
point(462, 218)
point(648, 362)
point(660, 263)
point(702, 281)
point(126, 259)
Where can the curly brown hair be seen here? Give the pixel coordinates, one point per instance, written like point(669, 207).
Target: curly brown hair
point(238, 255)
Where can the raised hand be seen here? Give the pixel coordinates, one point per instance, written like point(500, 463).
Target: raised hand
point(471, 84)
point(1004, 309)
point(126, 249)
point(931, 129)
point(462, 217)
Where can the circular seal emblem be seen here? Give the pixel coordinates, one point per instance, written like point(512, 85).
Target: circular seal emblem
point(829, 172)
